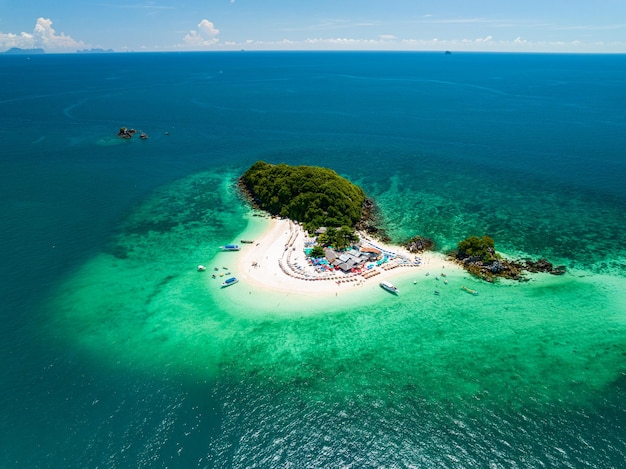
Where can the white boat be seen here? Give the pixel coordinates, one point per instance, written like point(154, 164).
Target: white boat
point(201, 268)
point(230, 247)
point(389, 287)
point(229, 281)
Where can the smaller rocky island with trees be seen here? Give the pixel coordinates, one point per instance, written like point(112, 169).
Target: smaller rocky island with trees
point(479, 257)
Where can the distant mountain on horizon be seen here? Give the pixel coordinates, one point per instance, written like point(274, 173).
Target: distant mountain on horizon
point(17, 50)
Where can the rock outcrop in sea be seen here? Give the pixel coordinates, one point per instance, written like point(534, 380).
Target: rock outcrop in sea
point(419, 244)
point(369, 222)
point(479, 257)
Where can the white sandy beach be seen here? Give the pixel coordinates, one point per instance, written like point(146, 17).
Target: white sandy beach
point(275, 261)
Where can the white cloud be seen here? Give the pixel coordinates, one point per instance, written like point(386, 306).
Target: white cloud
point(46, 37)
point(484, 43)
point(43, 36)
point(484, 39)
point(23, 40)
point(208, 28)
point(206, 35)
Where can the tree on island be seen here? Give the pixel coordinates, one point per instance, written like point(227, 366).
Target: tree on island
point(339, 239)
point(311, 195)
point(317, 251)
point(482, 249)
point(479, 257)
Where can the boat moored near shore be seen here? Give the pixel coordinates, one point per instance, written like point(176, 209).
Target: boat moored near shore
point(389, 287)
point(469, 290)
point(230, 247)
point(229, 281)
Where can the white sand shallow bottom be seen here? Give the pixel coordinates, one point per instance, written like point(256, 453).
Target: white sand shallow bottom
point(275, 262)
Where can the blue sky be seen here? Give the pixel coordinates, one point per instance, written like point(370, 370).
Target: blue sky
point(162, 25)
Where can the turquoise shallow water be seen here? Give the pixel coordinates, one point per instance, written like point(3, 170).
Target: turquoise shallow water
point(117, 352)
point(549, 345)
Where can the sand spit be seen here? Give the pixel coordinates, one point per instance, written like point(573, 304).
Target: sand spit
point(276, 261)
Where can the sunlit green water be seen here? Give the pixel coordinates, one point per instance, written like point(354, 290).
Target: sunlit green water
point(143, 304)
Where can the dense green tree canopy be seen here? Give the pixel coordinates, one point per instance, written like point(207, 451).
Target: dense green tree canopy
point(483, 248)
point(338, 238)
point(317, 251)
point(311, 195)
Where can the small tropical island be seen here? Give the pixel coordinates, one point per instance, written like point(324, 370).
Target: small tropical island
point(324, 233)
point(323, 230)
point(479, 257)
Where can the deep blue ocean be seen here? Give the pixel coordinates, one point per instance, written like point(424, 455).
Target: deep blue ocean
point(113, 353)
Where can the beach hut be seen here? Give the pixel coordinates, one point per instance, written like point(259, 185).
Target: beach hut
point(370, 252)
point(330, 255)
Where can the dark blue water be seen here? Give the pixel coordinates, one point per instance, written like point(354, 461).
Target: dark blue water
point(527, 148)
